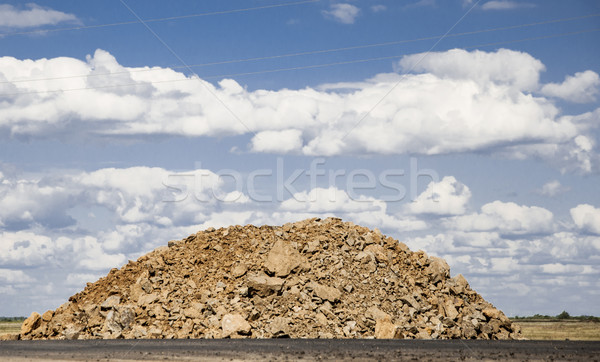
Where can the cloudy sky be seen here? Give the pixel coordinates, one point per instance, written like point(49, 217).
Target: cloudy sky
point(468, 129)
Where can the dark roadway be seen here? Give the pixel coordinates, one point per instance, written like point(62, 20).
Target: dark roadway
point(299, 349)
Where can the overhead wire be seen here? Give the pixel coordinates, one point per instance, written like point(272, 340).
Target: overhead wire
point(296, 68)
point(312, 52)
point(170, 18)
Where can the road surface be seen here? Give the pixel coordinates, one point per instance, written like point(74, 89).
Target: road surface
point(299, 349)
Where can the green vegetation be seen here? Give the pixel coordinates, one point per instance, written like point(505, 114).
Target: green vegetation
point(563, 316)
point(12, 319)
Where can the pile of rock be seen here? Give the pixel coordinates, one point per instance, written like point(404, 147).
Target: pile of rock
point(311, 279)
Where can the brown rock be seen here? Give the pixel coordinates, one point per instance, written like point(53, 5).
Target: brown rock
point(234, 323)
point(47, 316)
point(239, 270)
point(31, 323)
point(264, 285)
point(326, 293)
point(438, 269)
point(385, 329)
point(282, 259)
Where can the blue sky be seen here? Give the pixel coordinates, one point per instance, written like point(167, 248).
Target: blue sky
point(480, 147)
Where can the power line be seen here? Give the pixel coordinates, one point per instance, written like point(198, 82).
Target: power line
point(187, 66)
point(313, 52)
point(365, 60)
point(159, 19)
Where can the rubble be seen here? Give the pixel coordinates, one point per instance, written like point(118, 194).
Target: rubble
point(310, 279)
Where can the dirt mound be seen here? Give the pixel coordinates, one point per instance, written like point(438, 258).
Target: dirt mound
point(311, 279)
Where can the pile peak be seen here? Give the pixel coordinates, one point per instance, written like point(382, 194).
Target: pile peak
point(317, 278)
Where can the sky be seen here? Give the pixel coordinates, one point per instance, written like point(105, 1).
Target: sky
point(467, 129)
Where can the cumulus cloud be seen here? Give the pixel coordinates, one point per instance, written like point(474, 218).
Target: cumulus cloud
point(343, 13)
point(582, 87)
point(446, 197)
point(507, 67)
point(285, 141)
point(506, 218)
point(553, 188)
point(586, 217)
point(505, 5)
point(462, 102)
point(32, 16)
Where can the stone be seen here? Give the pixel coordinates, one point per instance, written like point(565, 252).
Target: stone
point(31, 323)
point(450, 309)
point(326, 293)
point(263, 284)
point(72, 331)
point(282, 259)
point(438, 269)
point(234, 323)
point(146, 300)
point(378, 251)
point(279, 327)
point(385, 329)
point(110, 302)
point(47, 316)
point(239, 270)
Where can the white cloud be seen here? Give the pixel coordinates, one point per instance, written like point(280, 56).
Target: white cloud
point(553, 188)
point(9, 276)
point(285, 141)
point(464, 102)
point(378, 8)
point(586, 217)
point(506, 218)
point(515, 69)
point(446, 197)
point(32, 16)
point(505, 5)
point(343, 13)
point(582, 87)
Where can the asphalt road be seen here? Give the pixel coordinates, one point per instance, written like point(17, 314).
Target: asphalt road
point(299, 349)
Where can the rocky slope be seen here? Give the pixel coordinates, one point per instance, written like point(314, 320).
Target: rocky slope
point(311, 279)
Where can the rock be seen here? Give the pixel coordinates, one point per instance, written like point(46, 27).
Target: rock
point(378, 251)
point(385, 329)
point(31, 323)
point(146, 300)
point(234, 323)
point(450, 309)
point(47, 316)
point(326, 293)
point(263, 284)
point(376, 313)
point(458, 284)
point(110, 302)
point(279, 327)
point(72, 331)
point(438, 269)
point(239, 270)
point(282, 259)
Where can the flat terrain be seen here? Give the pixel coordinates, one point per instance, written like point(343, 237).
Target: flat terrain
point(573, 330)
point(299, 349)
point(10, 327)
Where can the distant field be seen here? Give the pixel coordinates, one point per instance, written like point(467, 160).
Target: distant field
point(10, 327)
point(574, 330)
